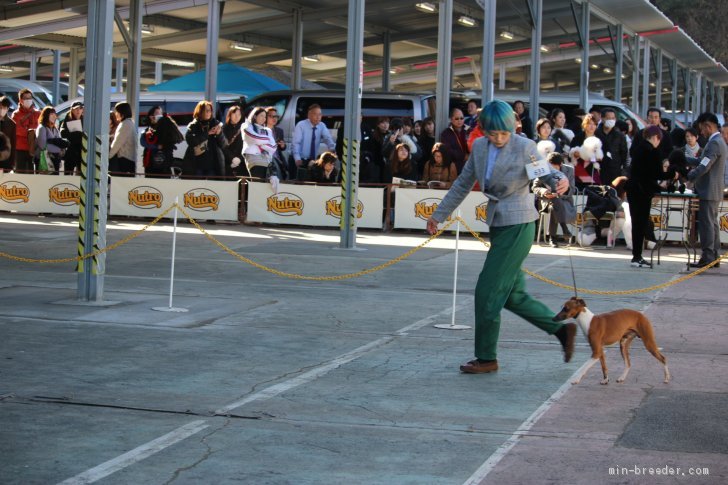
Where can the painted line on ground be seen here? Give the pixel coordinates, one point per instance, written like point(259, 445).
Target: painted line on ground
point(524, 428)
point(137, 454)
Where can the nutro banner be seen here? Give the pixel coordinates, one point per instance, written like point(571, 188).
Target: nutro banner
point(412, 208)
point(48, 194)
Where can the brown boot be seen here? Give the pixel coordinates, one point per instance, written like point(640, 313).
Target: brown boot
point(478, 366)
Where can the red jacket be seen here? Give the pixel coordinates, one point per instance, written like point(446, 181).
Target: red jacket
point(25, 120)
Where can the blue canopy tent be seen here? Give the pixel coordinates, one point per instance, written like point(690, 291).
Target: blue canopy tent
point(230, 79)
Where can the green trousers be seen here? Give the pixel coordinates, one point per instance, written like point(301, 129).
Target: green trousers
point(501, 284)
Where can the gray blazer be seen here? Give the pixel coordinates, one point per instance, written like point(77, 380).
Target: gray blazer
point(708, 179)
point(509, 199)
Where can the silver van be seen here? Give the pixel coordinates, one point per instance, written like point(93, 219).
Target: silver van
point(179, 105)
point(292, 107)
point(566, 100)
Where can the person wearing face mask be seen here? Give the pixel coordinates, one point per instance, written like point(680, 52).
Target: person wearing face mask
point(614, 146)
point(26, 120)
point(7, 128)
point(159, 141)
point(74, 134)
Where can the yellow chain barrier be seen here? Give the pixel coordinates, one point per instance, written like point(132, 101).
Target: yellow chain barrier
point(92, 254)
point(604, 292)
point(345, 276)
point(314, 278)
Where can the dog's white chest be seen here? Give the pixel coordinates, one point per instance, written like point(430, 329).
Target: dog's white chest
point(584, 321)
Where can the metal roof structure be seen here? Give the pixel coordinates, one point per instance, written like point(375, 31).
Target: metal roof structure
point(260, 34)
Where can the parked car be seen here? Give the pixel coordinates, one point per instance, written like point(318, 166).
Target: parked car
point(179, 105)
point(11, 87)
point(63, 86)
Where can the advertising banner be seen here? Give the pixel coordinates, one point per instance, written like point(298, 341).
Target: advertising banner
point(149, 197)
point(412, 208)
point(311, 205)
point(48, 194)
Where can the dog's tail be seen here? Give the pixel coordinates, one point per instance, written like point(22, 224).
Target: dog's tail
point(647, 334)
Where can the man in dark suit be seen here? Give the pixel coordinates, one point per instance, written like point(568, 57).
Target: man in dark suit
point(709, 184)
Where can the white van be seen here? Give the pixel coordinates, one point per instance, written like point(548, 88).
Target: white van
point(179, 105)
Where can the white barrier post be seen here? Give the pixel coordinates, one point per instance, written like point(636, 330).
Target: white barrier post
point(452, 325)
point(171, 278)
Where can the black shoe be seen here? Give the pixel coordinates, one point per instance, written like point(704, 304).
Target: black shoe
point(703, 264)
point(640, 263)
point(552, 243)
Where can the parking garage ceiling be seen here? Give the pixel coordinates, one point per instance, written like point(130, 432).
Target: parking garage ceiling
point(258, 34)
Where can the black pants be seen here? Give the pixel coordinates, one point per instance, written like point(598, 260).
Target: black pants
point(639, 210)
point(122, 166)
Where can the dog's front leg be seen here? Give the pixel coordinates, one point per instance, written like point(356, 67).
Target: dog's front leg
point(581, 374)
point(603, 361)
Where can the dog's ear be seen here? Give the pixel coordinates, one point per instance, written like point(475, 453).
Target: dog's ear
point(580, 301)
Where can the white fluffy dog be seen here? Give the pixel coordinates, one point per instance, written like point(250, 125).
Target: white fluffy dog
point(544, 147)
point(590, 151)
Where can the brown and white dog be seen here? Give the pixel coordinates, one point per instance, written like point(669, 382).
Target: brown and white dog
point(609, 328)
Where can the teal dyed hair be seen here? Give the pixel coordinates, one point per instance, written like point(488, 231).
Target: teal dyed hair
point(498, 116)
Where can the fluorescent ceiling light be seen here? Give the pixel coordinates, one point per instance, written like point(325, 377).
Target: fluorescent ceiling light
point(426, 7)
point(577, 60)
point(506, 35)
point(6, 69)
point(624, 76)
point(652, 85)
point(544, 48)
point(174, 62)
point(392, 71)
point(595, 66)
point(314, 58)
point(607, 70)
point(147, 29)
point(240, 46)
point(466, 21)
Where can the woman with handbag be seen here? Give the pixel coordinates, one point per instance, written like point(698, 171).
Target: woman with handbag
point(49, 144)
point(204, 142)
point(123, 150)
point(233, 149)
point(159, 140)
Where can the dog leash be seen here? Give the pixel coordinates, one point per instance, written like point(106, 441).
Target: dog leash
point(573, 276)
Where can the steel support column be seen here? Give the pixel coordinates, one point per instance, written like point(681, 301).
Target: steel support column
point(134, 61)
point(646, 77)
point(501, 78)
point(158, 74)
point(535, 91)
point(444, 67)
point(56, 86)
point(584, 72)
point(94, 180)
point(297, 49)
point(386, 61)
point(487, 64)
point(688, 88)
point(658, 81)
point(73, 72)
point(119, 74)
point(33, 66)
point(636, 74)
point(675, 83)
point(619, 63)
point(213, 31)
point(352, 129)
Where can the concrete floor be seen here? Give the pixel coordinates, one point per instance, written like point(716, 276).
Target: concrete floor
point(270, 381)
